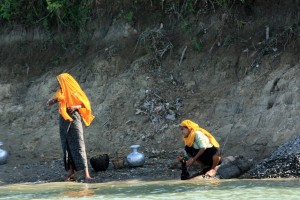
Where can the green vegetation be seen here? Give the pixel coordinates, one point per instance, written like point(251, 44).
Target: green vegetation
point(129, 17)
point(8, 9)
point(57, 16)
point(75, 14)
point(56, 13)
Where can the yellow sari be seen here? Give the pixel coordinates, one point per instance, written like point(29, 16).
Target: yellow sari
point(193, 127)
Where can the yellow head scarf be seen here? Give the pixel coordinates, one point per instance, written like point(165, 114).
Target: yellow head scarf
point(193, 127)
point(70, 94)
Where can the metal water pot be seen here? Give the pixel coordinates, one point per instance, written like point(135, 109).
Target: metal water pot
point(3, 155)
point(135, 158)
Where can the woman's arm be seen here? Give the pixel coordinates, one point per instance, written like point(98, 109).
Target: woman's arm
point(191, 160)
point(51, 101)
point(200, 139)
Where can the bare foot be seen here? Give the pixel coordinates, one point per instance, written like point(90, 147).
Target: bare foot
point(211, 173)
point(88, 178)
point(87, 175)
point(70, 177)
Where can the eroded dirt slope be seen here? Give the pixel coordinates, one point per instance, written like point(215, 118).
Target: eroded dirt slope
point(237, 86)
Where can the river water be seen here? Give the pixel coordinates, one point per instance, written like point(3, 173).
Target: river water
point(171, 189)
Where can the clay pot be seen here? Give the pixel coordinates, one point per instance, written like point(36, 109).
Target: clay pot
point(118, 163)
point(100, 162)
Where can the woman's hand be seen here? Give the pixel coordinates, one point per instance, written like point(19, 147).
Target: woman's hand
point(73, 108)
point(179, 158)
point(51, 101)
point(189, 162)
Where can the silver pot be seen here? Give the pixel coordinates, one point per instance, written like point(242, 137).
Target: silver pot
point(3, 155)
point(135, 158)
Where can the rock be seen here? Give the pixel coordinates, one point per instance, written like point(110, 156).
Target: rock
point(282, 163)
point(233, 167)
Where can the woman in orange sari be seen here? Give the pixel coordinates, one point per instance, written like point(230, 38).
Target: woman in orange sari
point(200, 146)
point(74, 107)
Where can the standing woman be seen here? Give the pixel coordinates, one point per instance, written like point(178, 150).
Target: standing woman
point(200, 146)
point(74, 107)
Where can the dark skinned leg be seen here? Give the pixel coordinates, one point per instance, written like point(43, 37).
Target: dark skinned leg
point(71, 174)
point(216, 160)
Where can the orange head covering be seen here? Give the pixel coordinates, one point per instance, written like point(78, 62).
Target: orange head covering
point(70, 94)
point(193, 127)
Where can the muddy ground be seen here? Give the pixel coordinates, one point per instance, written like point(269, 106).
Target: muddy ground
point(155, 168)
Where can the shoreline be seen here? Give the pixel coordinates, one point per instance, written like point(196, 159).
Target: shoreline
point(52, 170)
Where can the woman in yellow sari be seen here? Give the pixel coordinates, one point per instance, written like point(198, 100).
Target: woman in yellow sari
point(200, 146)
point(74, 107)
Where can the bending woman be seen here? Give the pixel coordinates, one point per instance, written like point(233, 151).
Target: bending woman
point(200, 146)
point(74, 107)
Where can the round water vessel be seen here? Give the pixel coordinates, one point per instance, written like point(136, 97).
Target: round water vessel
point(3, 155)
point(135, 158)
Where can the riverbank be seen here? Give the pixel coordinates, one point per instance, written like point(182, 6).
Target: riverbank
point(155, 168)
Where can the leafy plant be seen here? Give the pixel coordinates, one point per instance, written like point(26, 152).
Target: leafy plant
point(53, 6)
point(129, 17)
point(8, 9)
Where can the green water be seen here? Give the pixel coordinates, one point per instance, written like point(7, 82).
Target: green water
point(197, 189)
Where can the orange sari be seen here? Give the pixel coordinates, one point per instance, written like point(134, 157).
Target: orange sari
point(71, 94)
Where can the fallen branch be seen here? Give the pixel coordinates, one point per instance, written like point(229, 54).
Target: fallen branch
point(182, 55)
